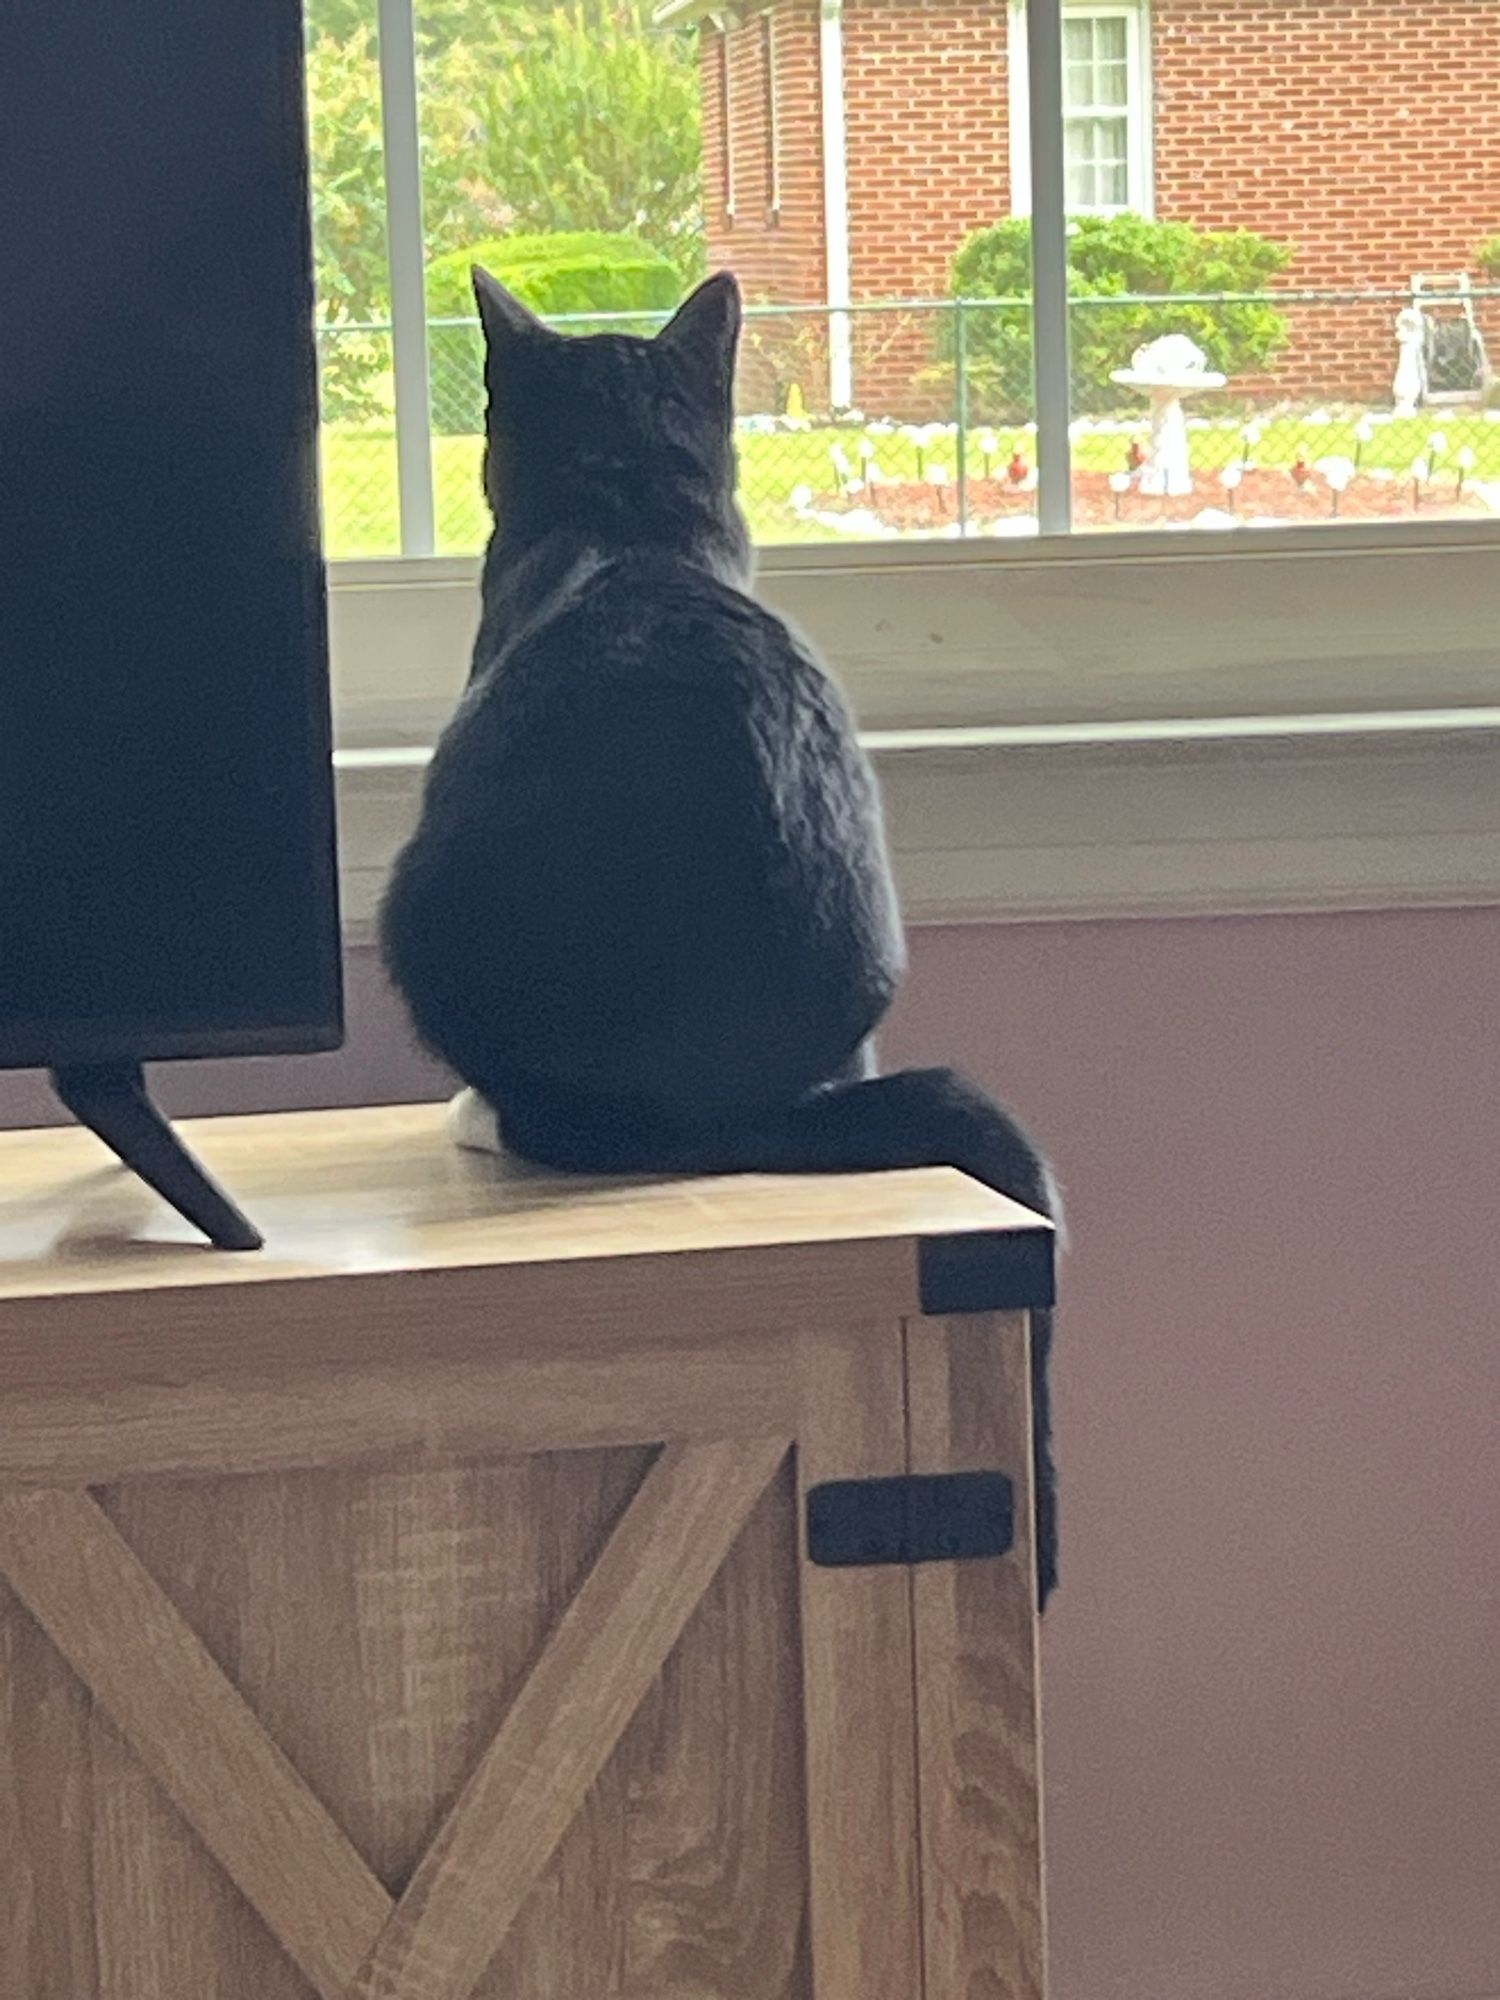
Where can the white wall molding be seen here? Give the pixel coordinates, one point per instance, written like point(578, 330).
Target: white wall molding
point(1049, 823)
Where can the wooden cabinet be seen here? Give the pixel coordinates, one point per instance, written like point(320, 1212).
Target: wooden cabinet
point(425, 1607)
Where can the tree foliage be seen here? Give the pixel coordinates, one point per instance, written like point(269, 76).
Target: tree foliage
point(575, 118)
point(593, 124)
point(348, 178)
point(348, 204)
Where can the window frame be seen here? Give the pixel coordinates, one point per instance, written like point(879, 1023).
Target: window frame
point(1078, 630)
point(967, 643)
point(1096, 116)
point(1139, 135)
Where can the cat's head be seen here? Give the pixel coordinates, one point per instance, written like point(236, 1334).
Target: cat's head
point(626, 439)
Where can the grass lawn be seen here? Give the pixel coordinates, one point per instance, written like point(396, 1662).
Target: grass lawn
point(359, 466)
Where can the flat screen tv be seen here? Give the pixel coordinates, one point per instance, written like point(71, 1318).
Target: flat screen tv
point(167, 879)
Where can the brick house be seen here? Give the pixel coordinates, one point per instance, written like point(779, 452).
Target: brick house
point(850, 146)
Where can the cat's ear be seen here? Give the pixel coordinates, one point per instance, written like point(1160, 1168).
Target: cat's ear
point(513, 336)
point(504, 319)
point(705, 332)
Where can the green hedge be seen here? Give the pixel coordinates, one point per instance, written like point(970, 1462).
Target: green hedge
point(587, 271)
point(1111, 257)
point(578, 272)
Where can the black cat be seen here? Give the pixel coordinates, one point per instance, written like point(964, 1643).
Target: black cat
point(648, 912)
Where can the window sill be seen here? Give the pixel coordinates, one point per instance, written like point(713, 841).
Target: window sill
point(1092, 629)
point(1151, 819)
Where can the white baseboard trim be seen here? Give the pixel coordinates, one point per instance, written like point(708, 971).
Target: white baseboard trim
point(1045, 823)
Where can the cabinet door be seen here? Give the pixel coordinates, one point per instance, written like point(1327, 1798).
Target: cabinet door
point(550, 1725)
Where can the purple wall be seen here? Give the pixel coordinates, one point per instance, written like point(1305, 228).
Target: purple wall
point(1272, 1678)
point(1273, 1674)
point(377, 1065)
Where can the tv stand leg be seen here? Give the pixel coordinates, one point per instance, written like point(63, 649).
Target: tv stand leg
point(111, 1100)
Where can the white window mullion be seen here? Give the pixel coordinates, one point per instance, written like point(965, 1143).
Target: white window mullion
point(1049, 266)
point(1140, 130)
point(407, 255)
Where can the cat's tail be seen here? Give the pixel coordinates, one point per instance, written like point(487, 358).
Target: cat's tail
point(936, 1118)
point(933, 1119)
point(914, 1118)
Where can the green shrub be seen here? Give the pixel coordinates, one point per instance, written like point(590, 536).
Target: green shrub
point(584, 271)
point(1487, 257)
point(570, 272)
point(1110, 257)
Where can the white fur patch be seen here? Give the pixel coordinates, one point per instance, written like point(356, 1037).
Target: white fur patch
point(472, 1124)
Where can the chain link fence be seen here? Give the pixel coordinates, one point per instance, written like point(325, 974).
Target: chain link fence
point(357, 387)
point(915, 417)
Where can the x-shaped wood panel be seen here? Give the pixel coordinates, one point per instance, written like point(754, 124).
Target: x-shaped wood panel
point(194, 1732)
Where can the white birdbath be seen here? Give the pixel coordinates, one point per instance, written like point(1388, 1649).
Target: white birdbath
point(1169, 369)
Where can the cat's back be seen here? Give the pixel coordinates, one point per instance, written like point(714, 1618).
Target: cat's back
point(652, 807)
point(642, 684)
point(643, 628)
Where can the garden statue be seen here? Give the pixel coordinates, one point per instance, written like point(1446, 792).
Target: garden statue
point(1410, 384)
point(1338, 475)
point(1168, 368)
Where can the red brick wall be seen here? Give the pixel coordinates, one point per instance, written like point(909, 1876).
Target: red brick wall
point(777, 252)
point(925, 95)
point(925, 82)
point(929, 135)
point(1365, 134)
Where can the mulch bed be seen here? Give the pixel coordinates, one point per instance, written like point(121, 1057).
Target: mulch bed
point(1263, 493)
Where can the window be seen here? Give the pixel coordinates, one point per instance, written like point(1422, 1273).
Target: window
point(1336, 326)
point(973, 547)
point(1101, 104)
point(1106, 98)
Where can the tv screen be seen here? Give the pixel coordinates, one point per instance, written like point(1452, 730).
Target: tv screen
point(167, 883)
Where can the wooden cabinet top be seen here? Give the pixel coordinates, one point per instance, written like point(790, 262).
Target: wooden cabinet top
point(374, 1194)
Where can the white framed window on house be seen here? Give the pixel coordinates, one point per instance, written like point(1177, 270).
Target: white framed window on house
point(981, 538)
point(1106, 108)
